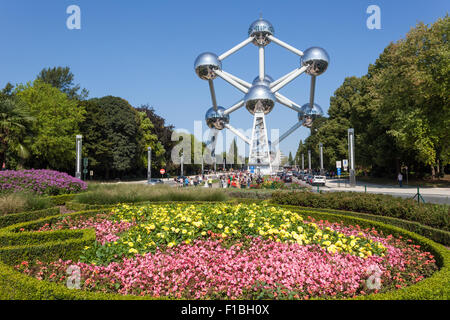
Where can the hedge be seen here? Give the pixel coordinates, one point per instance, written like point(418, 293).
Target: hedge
point(14, 218)
point(432, 215)
point(62, 199)
point(67, 244)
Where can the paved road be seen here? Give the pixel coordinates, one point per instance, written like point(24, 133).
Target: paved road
point(431, 195)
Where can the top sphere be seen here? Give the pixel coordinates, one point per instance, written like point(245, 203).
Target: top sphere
point(259, 99)
point(316, 59)
point(259, 30)
point(266, 82)
point(309, 114)
point(205, 64)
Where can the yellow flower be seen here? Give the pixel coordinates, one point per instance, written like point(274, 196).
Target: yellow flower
point(220, 226)
point(132, 250)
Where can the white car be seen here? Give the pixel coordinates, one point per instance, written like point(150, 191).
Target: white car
point(319, 180)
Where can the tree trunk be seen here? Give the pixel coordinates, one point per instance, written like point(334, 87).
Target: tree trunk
point(433, 172)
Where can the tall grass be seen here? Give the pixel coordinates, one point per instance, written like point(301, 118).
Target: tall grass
point(132, 193)
point(21, 202)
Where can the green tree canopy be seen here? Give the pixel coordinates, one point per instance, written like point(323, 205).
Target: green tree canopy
point(57, 120)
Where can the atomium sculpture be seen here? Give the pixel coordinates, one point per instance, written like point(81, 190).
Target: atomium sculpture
point(262, 94)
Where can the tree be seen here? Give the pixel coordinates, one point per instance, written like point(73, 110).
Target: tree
point(164, 134)
point(14, 121)
point(52, 144)
point(290, 159)
point(120, 136)
point(62, 79)
point(150, 139)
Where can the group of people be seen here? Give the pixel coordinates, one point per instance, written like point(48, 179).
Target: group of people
point(237, 179)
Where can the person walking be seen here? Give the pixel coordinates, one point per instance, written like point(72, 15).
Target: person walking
point(400, 179)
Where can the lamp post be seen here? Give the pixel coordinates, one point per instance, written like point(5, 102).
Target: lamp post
point(309, 161)
point(149, 164)
point(321, 157)
point(351, 156)
point(182, 161)
point(303, 162)
point(78, 141)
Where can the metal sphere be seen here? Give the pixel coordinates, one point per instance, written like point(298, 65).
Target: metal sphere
point(259, 30)
point(259, 99)
point(205, 64)
point(308, 114)
point(316, 59)
point(217, 119)
point(266, 82)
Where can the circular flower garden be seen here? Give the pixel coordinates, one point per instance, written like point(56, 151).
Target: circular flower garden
point(227, 251)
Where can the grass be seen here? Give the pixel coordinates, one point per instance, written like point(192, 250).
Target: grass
point(103, 194)
point(20, 202)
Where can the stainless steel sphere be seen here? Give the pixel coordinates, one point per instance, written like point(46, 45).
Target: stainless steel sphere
point(316, 59)
point(205, 64)
point(259, 99)
point(217, 119)
point(266, 82)
point(308, 114)
point(259, 30)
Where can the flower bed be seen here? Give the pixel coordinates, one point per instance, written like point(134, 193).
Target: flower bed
point(235, 251)
point(48, 182)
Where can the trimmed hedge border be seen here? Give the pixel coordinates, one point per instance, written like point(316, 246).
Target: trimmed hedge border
point(14, 218)
point(67, 244)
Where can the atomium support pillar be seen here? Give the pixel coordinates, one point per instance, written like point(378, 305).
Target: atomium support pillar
point(259, 145)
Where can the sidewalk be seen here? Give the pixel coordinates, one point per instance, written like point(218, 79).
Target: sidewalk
point(434, 195)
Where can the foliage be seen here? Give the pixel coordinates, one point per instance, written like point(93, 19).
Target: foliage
point(400, 110)
point(433, 215)
point(14, 121)
point(62, 79)
point(121, 193)
point(52, 139)
point(47, 182)
point(54, 245)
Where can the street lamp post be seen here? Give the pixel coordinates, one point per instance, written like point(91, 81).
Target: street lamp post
point(321, 157)
point(149, 164)
point(351, 155)
point(309, 161)
point(182, 161)
point(78, 140)
point(303, 162)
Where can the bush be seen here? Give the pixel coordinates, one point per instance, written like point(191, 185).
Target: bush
point(133, 193)
point(432, 215)
point(11, 219)
point(47, 182)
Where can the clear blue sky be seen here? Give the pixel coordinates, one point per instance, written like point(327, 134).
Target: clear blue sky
point(143, 51)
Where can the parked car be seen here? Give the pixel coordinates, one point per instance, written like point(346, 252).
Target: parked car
point(305, 177)
point(155, 181)
point(287, 178)
point(318, 180)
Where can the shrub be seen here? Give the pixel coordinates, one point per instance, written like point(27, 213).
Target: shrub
point(432, 215)
point(47, 182)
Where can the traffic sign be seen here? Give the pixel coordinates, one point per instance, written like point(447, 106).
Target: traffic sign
point(338, 164)
point(339, 171)
point(162, 171)
point(345, 164)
